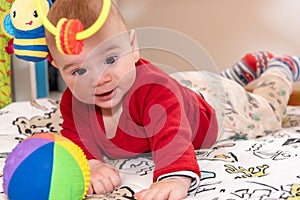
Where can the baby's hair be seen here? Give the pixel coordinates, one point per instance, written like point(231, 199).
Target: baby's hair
point(87, 11)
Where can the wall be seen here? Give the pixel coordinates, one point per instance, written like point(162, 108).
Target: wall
point(226, 29)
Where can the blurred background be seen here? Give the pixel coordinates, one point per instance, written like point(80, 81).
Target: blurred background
point(226, 29)
point(215, 33)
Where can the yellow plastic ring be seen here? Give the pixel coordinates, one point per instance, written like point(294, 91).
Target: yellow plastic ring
point(80, 35)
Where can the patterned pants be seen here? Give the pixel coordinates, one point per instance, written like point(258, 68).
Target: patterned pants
point(240, 114)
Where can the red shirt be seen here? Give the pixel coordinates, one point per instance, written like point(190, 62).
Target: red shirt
point(159, 116)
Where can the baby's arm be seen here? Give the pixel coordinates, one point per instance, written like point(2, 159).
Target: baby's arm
point(104, 177)
point(170, 136)
point(167, 189)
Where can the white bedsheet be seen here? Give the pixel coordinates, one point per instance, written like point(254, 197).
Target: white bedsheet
point(264, 168)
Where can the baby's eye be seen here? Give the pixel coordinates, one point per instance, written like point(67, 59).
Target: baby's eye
point(110, 60)
point(80, 71)
point(35, 13)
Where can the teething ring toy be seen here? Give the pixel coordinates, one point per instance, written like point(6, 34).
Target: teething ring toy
point(69, 33)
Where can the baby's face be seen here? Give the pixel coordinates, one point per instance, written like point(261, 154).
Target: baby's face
point(105, 70)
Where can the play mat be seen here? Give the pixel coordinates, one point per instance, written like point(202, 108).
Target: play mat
point(264, 168)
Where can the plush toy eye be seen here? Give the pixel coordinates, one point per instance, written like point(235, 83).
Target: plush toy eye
point(14, 14)
point(35, 14)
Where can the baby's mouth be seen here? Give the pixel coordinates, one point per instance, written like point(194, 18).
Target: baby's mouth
point(105, 94)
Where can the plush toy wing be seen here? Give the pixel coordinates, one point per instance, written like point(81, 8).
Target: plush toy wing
point(8, 30)
point(7, 26)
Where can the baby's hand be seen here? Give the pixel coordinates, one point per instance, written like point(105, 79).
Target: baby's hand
point(104, 178)
point(167, 189)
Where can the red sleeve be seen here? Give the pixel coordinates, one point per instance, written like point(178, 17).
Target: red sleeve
point(168, 129)
point(69, 129)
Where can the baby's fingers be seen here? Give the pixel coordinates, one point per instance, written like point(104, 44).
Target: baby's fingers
point(144, 194)
point(150, 194)
point(90, 190)
point(106, 184)
point(115, 179)
point(98, 187)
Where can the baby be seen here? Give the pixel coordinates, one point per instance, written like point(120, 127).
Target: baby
point(120, 105)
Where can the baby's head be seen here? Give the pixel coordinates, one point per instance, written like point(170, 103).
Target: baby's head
point(87, 11)
point(107, 59)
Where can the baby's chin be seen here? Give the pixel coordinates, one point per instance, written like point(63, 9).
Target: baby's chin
point(106, 105)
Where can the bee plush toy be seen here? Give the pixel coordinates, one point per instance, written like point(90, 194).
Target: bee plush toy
point(22, 24)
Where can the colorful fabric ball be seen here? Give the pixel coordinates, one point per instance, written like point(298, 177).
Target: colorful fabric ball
point(46, 166)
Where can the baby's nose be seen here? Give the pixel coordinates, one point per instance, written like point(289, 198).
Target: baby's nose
point(104, 78)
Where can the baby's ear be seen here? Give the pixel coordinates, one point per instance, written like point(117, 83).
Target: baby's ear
point(54, 64)
point(6, 25)
point(134, 45)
